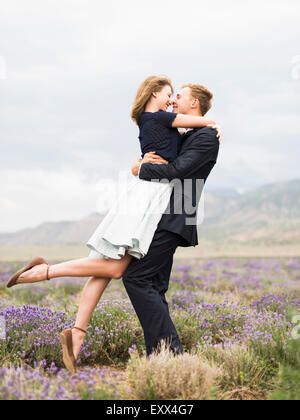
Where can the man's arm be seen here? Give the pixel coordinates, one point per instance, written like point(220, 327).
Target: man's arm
point(150, 157)
point(197, 155)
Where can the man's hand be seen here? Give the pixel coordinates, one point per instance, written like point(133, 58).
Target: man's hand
point(150, 157)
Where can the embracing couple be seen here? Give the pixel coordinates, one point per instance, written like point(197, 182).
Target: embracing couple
point(139, 246)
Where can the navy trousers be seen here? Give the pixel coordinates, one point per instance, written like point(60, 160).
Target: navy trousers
point(146, 282)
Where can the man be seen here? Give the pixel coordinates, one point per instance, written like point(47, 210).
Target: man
point(147, 280)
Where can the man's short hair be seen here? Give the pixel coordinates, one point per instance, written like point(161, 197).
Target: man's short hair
point(203, 95)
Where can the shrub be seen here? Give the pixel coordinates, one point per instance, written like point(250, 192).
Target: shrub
point(245, 376)
point(165, 376)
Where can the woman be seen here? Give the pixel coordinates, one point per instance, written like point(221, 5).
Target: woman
point(121, 235)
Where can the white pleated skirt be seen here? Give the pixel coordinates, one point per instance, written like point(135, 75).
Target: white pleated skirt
point(130, 224)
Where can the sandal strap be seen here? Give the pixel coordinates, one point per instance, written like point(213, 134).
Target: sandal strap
point(80, 329)
point(48, 278)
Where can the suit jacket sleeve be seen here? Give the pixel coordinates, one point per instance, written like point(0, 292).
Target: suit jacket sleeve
point(202, 149)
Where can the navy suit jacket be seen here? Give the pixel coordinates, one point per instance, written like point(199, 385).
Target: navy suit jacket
point(197, 156)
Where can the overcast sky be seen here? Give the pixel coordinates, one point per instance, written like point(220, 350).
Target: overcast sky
point(69, 71)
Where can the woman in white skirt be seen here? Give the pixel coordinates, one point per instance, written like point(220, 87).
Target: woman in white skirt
point(128, 229)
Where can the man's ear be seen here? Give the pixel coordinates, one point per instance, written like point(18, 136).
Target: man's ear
point(195, 103)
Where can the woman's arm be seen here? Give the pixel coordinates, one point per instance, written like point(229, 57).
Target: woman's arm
point(191, 121)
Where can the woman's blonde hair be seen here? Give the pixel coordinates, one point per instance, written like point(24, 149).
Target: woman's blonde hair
point(150, 85)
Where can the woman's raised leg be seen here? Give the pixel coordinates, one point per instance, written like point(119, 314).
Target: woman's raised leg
point(95, 267)
point(83, 267)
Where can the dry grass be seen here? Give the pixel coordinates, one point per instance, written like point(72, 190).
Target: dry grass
point(244, 375)
point(165, 376)
point(244, 394)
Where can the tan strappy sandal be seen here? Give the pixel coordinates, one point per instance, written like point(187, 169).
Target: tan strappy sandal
point(36, 261)
point(67, 346)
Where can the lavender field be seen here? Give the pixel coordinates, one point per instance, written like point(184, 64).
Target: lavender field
point(236, 319)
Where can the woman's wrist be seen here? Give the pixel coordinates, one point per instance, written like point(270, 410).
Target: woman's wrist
point(208, 122)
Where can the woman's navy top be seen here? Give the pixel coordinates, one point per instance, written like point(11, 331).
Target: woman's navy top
point(158, 135)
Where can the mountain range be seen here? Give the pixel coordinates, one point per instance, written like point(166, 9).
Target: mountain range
point(266, 216)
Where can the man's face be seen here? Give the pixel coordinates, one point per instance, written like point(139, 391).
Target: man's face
point(183, 101)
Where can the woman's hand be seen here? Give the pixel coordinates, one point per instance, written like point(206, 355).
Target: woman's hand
point(219, 132)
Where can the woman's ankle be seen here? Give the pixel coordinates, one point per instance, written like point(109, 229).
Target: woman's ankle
point(78, 332)
point(50, 272)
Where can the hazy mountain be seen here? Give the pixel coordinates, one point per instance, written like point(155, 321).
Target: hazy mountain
point(54, 233)
point(266, 215)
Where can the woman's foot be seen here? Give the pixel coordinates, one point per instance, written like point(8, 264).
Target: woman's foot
point(77, 340)
point(34, 262)
point(35, 274)
point(71, 342)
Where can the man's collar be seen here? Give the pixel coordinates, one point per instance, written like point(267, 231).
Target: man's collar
point(187, 131)
point(190, 131)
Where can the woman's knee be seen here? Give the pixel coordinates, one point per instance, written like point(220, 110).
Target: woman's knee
point(117, 273)
point(119, 268)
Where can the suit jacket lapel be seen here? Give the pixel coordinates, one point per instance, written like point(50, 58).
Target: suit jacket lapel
point(186, 136)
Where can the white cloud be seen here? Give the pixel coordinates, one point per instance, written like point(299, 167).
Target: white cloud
point(250, 159)
point(32, 197)
point(73, 67)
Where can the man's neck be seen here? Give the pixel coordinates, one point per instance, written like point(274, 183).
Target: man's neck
point(194, 112)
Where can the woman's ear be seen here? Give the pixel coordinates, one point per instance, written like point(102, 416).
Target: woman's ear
point(154, 94)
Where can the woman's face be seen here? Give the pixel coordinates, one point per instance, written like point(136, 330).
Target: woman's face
point(163, 98)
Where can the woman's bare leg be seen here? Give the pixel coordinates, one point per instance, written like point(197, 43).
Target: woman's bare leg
point(91, 294)
point(83, 267)
point(95, 267)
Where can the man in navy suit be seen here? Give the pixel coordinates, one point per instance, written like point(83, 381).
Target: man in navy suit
point(147, 280)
